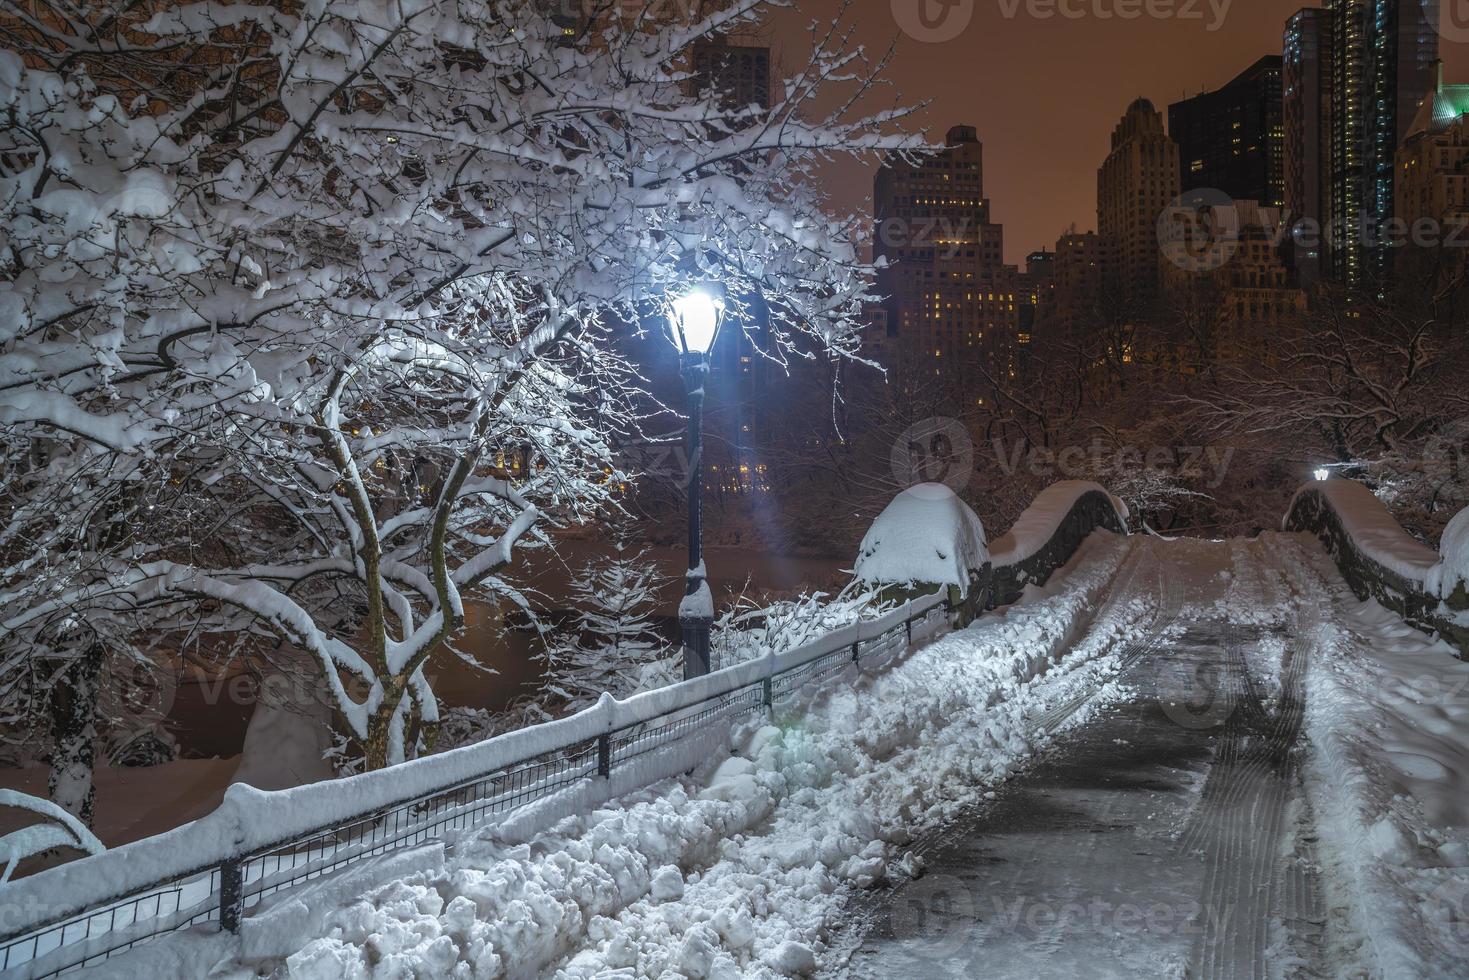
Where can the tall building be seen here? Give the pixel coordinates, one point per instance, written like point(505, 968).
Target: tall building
point(1037, 291)
point(1233, 139)
point(1432, 186)
point(1079, 270)
point(1253, 289)
point(1135, 186)
point(1382, 58)
point(948, 294)
point(1306, 112)
point(741, 71)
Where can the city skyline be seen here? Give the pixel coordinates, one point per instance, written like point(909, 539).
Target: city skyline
point(1042, 177)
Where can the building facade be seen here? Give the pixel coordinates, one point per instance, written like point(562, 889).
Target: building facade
point(948, 296)
point(1233, 139)
point(1306, 114)
point(1079, 274)
point(1382, 57)
point(1136, 184)
point(1432, 186)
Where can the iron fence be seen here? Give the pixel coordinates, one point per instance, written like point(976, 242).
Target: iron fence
point(222, 887)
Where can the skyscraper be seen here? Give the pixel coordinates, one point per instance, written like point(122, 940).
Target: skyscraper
point(1433, 172)
point(1306, 112)
point(1232, 139)
point(740, 71)
point(1382, 58)
point(949, 296)
point(1136, 184)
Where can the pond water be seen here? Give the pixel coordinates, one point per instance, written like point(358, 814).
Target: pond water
point(209, 718)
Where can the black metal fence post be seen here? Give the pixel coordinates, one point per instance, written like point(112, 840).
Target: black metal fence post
point(231, 894)
point(767, 694)
point(857, 652)
point(604, 756)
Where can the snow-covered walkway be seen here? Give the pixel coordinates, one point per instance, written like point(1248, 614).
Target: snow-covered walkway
point(1178, 833)
point(1176, 759)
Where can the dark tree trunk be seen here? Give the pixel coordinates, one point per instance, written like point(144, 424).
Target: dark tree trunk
point(73, 704)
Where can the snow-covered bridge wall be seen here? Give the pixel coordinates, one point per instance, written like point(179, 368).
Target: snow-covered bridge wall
point(1047, 535)
point(1379, 559)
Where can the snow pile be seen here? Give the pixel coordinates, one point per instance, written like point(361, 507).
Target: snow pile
point(743, 869)
point(1388, 718)
point(926, 536)
point(1034, 528)
point(1372, 527)
point(1452, 569)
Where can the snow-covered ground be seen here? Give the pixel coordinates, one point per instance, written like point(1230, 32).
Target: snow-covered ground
point(741, 869)
point(1387, 712)
point(755, 865)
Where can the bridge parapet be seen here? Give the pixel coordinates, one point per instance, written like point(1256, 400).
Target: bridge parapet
point(929, 541)
point(1380, 560)
point(1048, 534)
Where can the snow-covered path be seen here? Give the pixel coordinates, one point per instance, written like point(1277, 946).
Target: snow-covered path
point(1188, 758)
point(1175, 834)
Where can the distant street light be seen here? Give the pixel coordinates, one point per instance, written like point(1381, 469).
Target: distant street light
point(695, 319)
point(1323, 474)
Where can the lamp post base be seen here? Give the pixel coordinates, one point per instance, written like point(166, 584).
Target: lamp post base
point(695, 650)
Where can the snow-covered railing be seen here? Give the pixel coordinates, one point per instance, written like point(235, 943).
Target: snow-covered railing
point(1377, 558)
point(258, 842)
point(1047, 534)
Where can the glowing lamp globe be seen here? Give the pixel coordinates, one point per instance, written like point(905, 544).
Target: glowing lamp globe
point(697, 314)
point(1323, 474)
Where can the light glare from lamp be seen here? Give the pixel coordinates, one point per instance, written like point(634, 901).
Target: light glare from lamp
point(698, 320)
point(1323, 474)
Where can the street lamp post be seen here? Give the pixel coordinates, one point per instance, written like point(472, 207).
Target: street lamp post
point(696, 317)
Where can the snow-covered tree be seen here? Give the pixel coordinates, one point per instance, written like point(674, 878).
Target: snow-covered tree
point(612, 644)
point(306, 309)
point(56, 828)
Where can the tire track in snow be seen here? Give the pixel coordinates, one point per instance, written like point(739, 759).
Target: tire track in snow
point(1170, 608)
point(1240, 826)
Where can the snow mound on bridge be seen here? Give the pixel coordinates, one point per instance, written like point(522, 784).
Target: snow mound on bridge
point(926, 536)
point(1453, 568)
